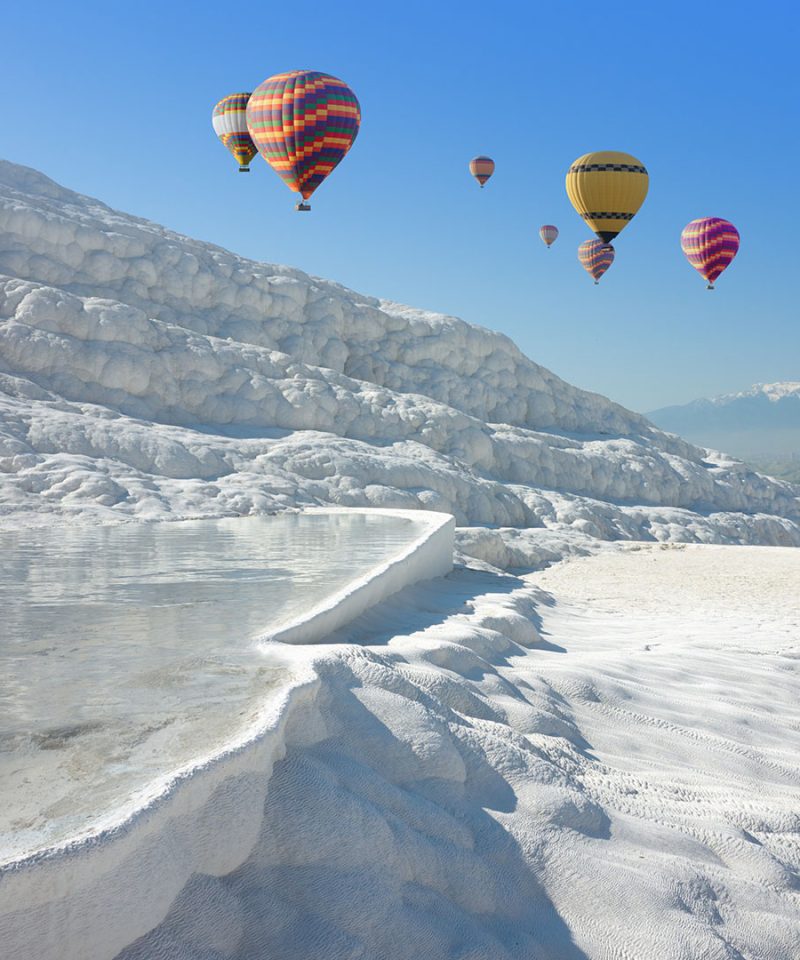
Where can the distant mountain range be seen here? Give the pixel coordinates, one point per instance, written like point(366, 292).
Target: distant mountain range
point(760, 424)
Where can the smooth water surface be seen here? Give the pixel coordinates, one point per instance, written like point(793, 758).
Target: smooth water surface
point(127, 651)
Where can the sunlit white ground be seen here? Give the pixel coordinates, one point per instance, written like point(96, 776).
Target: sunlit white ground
point(128, 650)
point(681, 669)
point(596, 762)
point(620, 782)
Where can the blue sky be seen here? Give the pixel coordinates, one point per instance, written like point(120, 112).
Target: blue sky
point(115, 101)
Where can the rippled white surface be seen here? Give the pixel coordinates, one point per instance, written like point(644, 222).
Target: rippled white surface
point(127, 651)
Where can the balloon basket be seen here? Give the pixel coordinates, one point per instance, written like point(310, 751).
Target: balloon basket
point(710, 286)
point(244, 169)
point(302, 206)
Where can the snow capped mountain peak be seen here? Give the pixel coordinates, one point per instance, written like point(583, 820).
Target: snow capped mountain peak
point(772, 391)
point(145, 374)
point(777, 391)
point(763, 421)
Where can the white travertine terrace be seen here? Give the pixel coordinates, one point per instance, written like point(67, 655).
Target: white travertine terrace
point(144, 374)
point(474, 768)
point(133, 652)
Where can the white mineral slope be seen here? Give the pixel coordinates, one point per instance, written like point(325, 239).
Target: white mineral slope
point(598, 762)
point(144, 374)
point(476, 768)
point(619, 783)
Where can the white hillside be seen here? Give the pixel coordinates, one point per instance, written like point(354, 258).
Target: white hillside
point(146, 374)
point(594, 761)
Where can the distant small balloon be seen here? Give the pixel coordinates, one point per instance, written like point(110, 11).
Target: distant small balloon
point(595, 257)
point(548, 233)
point(710, 244)
point(230, 125)
point(481, 168)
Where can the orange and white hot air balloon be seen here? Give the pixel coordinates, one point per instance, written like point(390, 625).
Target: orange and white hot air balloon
point(481, 168)
point(230, 125)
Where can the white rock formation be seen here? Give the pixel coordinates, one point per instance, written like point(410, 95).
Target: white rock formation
point(472, 769)
point(450, 780)
point(144, 374)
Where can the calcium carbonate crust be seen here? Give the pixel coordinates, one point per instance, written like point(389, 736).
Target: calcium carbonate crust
point(146, 375)
point(427, 787)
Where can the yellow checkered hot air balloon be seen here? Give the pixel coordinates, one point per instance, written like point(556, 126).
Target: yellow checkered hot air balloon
point(607, 188)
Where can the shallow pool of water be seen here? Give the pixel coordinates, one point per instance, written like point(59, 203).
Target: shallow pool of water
point(127, 651)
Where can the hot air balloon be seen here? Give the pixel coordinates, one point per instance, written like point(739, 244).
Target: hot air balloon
point(710, 244)
point(481, 168)
point(303, 123)
point(607, 188)
point(230, 125)
point(548, 233)
point(595, 257)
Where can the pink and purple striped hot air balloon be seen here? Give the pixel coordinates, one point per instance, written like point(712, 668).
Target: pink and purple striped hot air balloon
point(710, 244)
point(595, 257)
point(548, 233)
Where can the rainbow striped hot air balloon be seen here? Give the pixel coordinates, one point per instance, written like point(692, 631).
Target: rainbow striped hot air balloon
point(481, 168)
point(710, 244)
point(303, 123)
point(230, 125)
point(595, 257)
point(548, 233)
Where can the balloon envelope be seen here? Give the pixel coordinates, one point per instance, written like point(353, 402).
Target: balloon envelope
point(607, 188)
point(595, 257)
point(229, 119)
point(481, 168)
point(303, 123)
point(548, 233)
point(710, 244)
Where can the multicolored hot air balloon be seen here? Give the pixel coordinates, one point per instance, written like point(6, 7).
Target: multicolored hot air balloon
point(548, 233)
point(303, 123)
point(230, 125)
point(595, 257)
point(710, 244)
point(607, 188)
point(481, 168)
